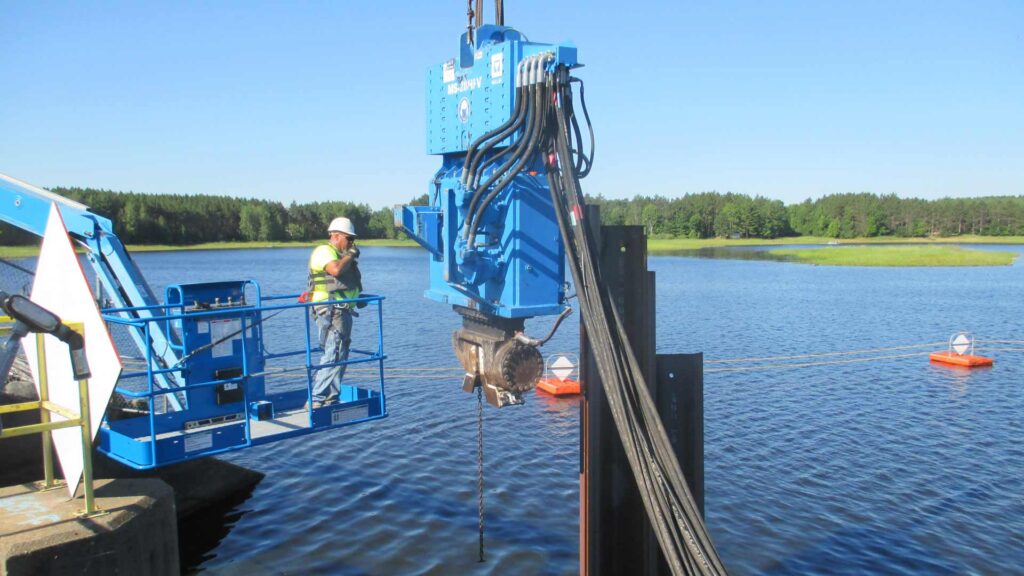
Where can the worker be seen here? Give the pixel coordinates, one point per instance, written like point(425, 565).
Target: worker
point(334, 275)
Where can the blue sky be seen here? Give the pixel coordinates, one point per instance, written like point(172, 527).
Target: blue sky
point(324, 100)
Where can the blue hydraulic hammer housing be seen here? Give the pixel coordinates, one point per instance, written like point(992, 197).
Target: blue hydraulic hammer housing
point(495, 248)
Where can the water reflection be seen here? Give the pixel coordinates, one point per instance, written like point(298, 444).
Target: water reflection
point(764, 252)
point(957, 377)
point(201, 533)
point(724, 253)
point(557, 405)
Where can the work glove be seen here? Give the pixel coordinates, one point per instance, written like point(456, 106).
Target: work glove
point(353, 251)
point(362, 303)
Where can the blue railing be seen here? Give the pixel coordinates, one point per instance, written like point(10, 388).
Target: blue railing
point(225, 404)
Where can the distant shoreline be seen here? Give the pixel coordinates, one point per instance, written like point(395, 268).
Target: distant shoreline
point(663, 246)
point(655, 246)
point(30, 251)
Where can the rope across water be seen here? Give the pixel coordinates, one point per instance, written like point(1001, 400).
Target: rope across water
point(761, 363)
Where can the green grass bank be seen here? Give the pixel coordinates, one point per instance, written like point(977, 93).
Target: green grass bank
point(895, 256)
point(654, 245)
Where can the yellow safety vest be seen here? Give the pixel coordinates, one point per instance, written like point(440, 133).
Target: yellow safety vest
point(322, 286)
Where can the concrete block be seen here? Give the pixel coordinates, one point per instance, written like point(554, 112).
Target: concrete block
point(40, 533)
point(197, 484)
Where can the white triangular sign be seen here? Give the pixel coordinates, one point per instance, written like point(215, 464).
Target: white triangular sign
point(61, 287)
point(562, 367)
point(961, 344)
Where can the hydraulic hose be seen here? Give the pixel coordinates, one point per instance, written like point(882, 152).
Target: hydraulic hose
point(498, 134)
point(530, 78)
point(577, 139)
point(674, 517)
point(590, 128)
point(476, 158)
point(527, 113)
point(536, 343)
point(549, 125)
point(522, 155)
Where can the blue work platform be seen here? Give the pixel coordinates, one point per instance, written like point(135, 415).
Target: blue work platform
point(236, 394)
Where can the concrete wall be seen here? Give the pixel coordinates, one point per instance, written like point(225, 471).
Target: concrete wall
point(40, 533)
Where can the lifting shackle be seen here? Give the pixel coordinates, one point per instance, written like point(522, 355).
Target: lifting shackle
point(475, 17)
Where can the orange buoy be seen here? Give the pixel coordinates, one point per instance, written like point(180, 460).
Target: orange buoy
point(968, 360)
point(557, 387)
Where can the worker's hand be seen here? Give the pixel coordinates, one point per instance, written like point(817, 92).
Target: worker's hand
point(353, 251)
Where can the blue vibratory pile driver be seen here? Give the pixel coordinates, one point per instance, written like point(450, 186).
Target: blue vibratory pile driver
point(490, 227)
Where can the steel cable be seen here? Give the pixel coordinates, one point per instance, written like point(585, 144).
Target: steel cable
point(987, 349)
point(809, 364)
point(480, 464)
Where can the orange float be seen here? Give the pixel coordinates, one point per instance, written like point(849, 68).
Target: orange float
point(557, 387)
point(968, 360)
point(960, 352)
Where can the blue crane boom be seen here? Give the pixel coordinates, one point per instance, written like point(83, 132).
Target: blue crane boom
point(27, 207)
point(203, 387)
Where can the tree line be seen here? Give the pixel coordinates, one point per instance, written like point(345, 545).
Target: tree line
point(192, 219)
point(712, 214)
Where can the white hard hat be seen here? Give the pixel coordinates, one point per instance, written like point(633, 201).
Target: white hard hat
point(343, 225)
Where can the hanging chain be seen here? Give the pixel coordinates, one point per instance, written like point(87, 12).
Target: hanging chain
point(480, 462)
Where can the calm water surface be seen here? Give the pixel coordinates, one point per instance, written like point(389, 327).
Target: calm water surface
point(893, 466)
point(763, 251)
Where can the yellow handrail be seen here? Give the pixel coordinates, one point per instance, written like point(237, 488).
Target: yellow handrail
point(45, 427)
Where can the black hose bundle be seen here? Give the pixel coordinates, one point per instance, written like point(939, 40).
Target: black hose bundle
point(533, 100)
point(548, 129)
point(670, 506)
point(476, 160)
point(519, 158)
point(583, 161)
point(531, 119)
point(479, 148)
